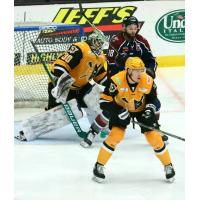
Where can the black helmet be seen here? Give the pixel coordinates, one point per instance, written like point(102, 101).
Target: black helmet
point(130, 20)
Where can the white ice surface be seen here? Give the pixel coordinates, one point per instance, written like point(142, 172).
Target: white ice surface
point(56, 167)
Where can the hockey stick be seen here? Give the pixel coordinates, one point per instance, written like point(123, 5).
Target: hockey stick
point(93, 26)
point(66, 107)
point(166, 133)
point(83, 14)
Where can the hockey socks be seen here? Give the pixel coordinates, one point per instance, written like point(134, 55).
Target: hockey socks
point(155, 140)
point(108, 147)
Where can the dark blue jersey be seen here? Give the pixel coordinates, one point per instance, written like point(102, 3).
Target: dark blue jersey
point(126, 47)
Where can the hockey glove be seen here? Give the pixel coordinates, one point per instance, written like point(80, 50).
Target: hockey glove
point(61, 90)
point(149, 117)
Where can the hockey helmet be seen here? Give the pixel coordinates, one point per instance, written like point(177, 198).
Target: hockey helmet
point(134, 63)
point(130, 20)
point(97, 40)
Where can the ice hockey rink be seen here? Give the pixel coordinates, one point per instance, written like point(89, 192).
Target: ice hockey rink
point(56, 167)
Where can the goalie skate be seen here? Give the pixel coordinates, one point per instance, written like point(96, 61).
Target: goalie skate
point(47, 121)
point(21, 137)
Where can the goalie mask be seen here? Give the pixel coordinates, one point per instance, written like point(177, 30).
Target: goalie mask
point(97, 40)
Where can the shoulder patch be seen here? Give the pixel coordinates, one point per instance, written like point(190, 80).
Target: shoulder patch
point(112, 88)
point(119, 81)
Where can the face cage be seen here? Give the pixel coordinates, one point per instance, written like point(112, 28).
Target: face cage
point(97, 48)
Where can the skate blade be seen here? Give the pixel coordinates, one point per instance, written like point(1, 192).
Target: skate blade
point(84, 144)
point(97, 179)
point(171, 180)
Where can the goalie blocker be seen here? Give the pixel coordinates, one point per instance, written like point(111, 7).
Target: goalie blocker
point(47, 121)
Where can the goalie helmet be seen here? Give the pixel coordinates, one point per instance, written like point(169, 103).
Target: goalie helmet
point(96, 40)
point(134, 63)
point(130, 20)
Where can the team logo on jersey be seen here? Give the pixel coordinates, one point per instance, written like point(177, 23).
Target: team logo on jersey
point(112, 88)
point(171, 26)
point(125, 49)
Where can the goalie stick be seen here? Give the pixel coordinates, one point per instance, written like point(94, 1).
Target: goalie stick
point(66, 107)
point(93, 26)
point(153, 129)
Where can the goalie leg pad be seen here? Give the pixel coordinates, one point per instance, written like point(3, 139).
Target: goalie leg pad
point(92, 97)
point(47, 121)
point(91, 115)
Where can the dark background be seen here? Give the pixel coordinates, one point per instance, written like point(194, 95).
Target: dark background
point(43, 2)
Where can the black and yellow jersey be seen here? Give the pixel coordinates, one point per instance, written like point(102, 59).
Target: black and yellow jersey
point(81, 63)
point(132, 97)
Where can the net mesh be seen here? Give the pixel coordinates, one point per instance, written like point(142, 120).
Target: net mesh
point(30, 77)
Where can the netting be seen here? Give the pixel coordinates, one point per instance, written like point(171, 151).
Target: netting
point(30, 77)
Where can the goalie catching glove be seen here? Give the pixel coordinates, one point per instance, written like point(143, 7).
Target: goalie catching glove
point(61, 90)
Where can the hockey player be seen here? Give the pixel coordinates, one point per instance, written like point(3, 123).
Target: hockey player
point(126, 44)
point(129, 43)
point(131, 94)
point(73, 71)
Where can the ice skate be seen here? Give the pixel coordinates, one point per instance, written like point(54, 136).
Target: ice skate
point(21, 137)
point(169, 173)
point(98, 173)
point(87, 142)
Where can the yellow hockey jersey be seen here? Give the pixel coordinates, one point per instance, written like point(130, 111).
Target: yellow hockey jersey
point(131, 98)
point(82, 64)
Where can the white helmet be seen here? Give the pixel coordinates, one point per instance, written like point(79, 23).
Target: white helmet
point(97, 40)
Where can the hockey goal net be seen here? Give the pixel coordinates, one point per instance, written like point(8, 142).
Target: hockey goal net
point(31, 80)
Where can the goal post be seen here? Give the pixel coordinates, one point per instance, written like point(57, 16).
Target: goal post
point(31, 80)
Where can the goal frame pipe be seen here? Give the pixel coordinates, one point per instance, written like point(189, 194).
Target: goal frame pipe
point(22, 27)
